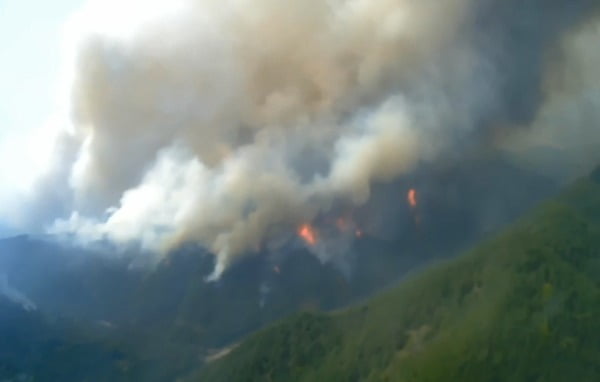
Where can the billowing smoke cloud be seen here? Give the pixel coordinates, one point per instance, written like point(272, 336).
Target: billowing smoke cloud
point(233, 122)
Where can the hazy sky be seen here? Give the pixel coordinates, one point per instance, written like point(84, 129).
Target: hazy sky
point(30, 59)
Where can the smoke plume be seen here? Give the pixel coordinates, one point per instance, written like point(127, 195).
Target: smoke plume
point(564, 139)
point(231, 123)
point(14, 295)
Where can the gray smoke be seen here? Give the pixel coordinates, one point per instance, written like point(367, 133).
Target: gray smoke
point(564, 138)
point(232, 123)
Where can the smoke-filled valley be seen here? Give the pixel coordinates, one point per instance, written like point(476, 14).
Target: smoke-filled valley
point(170, 315)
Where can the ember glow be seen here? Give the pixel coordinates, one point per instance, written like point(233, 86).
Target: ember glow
point(341, 224)
point(358, 233)
point(412, 198)
point(308, 234)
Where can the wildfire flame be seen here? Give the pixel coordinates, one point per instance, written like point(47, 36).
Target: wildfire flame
point(358, 233)
point(412, 198)
point(308, 234)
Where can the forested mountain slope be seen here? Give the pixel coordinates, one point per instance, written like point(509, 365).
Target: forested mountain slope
point(523, 306)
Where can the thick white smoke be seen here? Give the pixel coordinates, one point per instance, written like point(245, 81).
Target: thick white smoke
point(231, 123)
point(234, 122)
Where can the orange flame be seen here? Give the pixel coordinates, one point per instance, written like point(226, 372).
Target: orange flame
point(358, 233)
point(412, 198)
point(307, 232)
